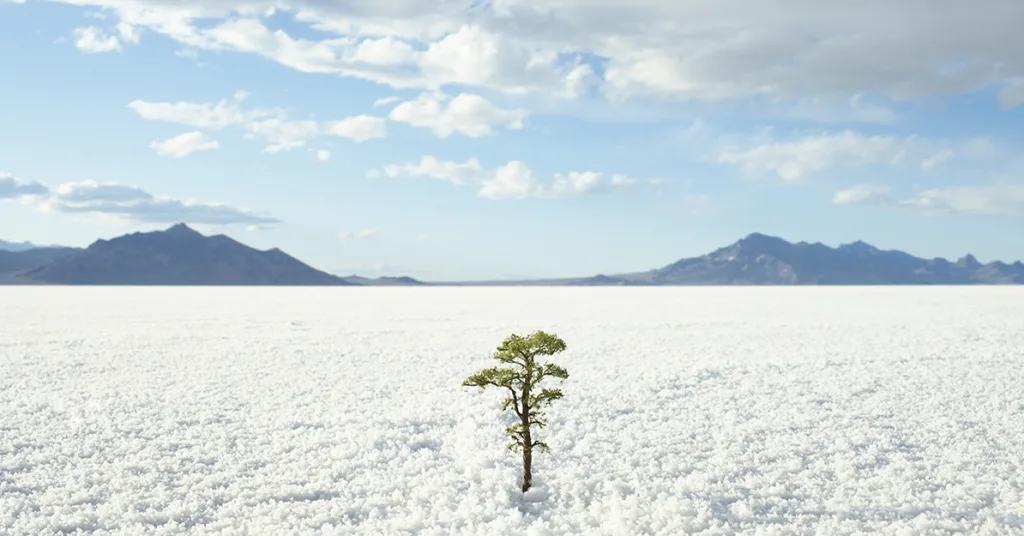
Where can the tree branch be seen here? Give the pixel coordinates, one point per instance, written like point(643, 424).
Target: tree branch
point(515, 401)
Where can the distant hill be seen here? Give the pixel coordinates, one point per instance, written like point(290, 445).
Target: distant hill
point(176, 256)
point(383, 281)
point(182, 256)
point(767, 260)
point(15, 262)
point(21, 246)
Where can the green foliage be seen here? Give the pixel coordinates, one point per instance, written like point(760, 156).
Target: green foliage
point(522, 378)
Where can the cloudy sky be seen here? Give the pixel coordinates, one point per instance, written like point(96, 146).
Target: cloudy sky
point(466, 139)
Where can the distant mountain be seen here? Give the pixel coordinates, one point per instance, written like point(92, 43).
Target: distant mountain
point(383, 281)
point(182, 256)
point(15, 262)
point(21, 246)
point(767, 260)
point(176, 256)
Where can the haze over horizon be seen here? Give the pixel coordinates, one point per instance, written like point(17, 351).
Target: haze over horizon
point(514, 138)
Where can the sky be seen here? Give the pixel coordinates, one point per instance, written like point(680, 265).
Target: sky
point(503, 139)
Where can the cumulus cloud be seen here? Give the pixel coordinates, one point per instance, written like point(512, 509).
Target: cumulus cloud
point(285, 135)
point(466, 114)
point(184, 144)
point(729, 49)
point(429, 166)
point(361, 234)
point(93, 40)
point(1006, 199)
point(12, 187)
point(475, 56)
point(383, 51)
point(514, 180)
point(359, 128)
point(223, 114)
point(323, 155)
point(281, 133)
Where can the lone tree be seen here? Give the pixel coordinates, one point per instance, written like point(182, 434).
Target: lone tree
point(526, 397)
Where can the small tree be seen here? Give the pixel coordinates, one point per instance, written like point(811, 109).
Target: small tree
point(526, 397)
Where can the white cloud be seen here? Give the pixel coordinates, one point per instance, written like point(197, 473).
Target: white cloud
point(12, 187)
point(281, 133)
point(795, 159)
point(128, 32)
point(516, 181)
point(285, 135)
point(862, 194)
point(383, 51)
point(201, 115)
point(361, 234)
point(323, 155)
point(359, 128)
point(476, 56)
point(93, 40)
point(513, 180)
point(429, 166)
point(385, 101)
point(729, 49)
point(999, 199)
point(132, 203)
point(1006, 199)
point(937, 159)
point(184, 144)
point(466, 114)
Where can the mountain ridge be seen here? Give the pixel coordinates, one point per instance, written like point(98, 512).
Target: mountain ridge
point(759, 259)
point(181, 255)
point(18, 247)
point(178, 255)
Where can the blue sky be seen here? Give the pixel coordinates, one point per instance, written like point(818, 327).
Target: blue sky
point(515, 138)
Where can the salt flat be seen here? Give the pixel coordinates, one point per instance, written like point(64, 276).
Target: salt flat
point(340, 411)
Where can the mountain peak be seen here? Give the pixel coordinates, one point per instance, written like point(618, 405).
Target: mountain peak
point(182, 229)
point(761, 243)
point(859, 246)
point(757, 238)
point(16, 246)
point(968, 261)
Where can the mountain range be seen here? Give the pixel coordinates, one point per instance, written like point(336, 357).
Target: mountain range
point(183, 256)
point(176, 256)
point(767, 260)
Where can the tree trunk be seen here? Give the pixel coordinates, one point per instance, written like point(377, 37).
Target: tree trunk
point(527, 450)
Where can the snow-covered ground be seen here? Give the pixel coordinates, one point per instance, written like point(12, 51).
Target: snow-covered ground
point(339, 411)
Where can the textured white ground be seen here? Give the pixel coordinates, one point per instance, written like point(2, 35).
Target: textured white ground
point(706, 411)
